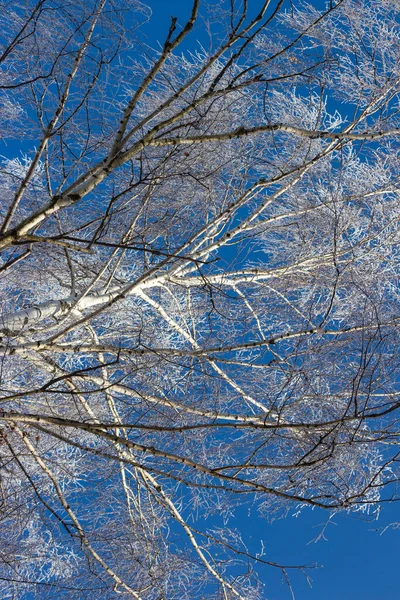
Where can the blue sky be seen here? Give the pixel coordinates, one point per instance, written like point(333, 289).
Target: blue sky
point(357, 560)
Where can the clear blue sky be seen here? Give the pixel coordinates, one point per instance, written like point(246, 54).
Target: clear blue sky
point(357, 561)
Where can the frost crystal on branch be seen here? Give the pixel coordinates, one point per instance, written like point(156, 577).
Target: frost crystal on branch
point(199, 250)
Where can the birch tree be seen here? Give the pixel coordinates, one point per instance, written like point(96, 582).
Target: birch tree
point(199, 285)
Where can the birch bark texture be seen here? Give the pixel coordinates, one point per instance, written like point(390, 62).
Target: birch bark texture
point(199, 267)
